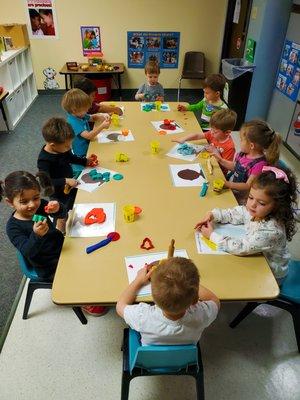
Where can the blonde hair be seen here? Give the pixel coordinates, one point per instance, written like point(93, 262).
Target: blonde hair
point(263, 136)
point(75, 100)
point(224, 119)
point(175, 284)
point(152, 67)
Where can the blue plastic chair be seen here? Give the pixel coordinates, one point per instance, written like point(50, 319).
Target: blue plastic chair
point(151, 360)
point(36, 282)
point(288, 299)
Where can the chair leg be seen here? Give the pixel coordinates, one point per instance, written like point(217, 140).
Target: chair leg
point(80, 315)
point(178, 93)
point(244, 313)
point(200, 385)
point(32, 286)
point(125, 385)
point(296, 320)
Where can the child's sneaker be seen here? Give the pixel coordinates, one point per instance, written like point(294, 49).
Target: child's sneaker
point(96, 311)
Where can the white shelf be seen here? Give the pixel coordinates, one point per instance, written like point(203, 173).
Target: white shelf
point(16, 77)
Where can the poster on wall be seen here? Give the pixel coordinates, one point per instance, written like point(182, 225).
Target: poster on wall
point(42, 22)
point(288, 77)
point(293, 136)
point(162, 47)
point(91, 41)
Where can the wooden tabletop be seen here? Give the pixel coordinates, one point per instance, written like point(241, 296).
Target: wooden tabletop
point(119, 68)
point(168, 212)
point(3, 95)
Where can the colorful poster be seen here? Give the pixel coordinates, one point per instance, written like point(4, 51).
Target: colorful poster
point(288, 77)
point(162, 47)
point(42, 22)
point(91, 41)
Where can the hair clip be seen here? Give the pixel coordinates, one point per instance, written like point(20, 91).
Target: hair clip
point(279, 173)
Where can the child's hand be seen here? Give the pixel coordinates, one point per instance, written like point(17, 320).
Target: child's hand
point(71, 182)
point(207, 229)
point(159, 98)
point(214, 152)
point(40, 228)
point(52, 207)
point(105, 124)
point(181, 141)
point(181, 107)
point(208, 218)
point(143, 276)
point(101, 117)
point(141, 96)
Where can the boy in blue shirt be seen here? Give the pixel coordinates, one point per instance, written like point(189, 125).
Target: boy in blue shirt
point(76, 103)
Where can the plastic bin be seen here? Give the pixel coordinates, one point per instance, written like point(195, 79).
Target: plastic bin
point(238, 73)
point(103, 89)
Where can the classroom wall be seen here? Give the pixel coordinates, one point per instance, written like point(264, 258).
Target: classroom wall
point(200, 22)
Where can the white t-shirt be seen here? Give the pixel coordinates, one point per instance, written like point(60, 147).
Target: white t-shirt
point(155, 328)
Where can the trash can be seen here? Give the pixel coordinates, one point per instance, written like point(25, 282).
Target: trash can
point(103, 89)
point(238, 73)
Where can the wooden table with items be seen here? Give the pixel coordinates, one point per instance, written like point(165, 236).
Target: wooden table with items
point(117, 69)
point(168, 212)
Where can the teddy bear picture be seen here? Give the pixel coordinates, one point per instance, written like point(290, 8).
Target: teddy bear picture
point(50, 82)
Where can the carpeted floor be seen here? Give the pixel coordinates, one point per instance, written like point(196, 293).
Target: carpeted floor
point(19, 150)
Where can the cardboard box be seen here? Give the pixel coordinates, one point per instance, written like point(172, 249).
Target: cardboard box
point(18, 33)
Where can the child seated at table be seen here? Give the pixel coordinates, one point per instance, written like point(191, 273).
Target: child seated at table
point(219, 137)
point(182, 310)
point(88, 87)
point(77, 103)
point(56, 159)
point(152, 90)
point(213, 91)
point(268, 218)
point(39, 242)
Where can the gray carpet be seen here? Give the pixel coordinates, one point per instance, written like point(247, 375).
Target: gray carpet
point(19, 150)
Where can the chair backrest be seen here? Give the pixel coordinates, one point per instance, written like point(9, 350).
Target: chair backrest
point(290, 288)
point(193, 65)
point(27, 269)
point(160, 359)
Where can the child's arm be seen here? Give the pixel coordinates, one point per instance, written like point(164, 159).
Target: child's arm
point(129, 295)
point(196, 107)
point(104, 108)
point(90, 135)
point(207, 295)
point(240, 185)
point(140, 93)
point(235, 216)
point(225, 163)
point(191, 136)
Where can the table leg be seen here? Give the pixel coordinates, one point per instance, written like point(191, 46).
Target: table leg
point(4, 115)
point(78, 311)
point(66, 81)
point(120, 88)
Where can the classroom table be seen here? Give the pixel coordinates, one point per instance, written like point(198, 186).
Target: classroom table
point(168, 212)
point(92, 72)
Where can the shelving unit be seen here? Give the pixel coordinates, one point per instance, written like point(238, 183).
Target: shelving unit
point(16, 77)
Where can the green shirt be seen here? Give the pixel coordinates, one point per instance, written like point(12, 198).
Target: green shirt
point(206, 110)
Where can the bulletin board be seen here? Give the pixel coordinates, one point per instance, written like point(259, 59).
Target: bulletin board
point(162, 47)
point(288, 78)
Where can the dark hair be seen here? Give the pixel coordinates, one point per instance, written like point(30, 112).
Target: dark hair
point(45, 11)
point(260, 133)
point(152, 67)
point(175, 284)
point(33, 13)
point(216, 82)
point(86, 85)
point(224, 119)
point(285, 196)
point(18, 181)
point(57, 130)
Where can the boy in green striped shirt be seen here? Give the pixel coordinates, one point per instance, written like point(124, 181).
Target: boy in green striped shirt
point(213, 90)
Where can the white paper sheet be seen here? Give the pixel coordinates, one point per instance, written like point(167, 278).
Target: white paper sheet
point(158, 126)
point(137, 262)
point(164, 107)
point(192, 157)
point(114, 136)
point(91, 186)
point(78, 227)
point(234, 231)
point(189, 169)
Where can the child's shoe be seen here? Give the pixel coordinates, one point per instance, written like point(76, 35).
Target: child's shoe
point(96, 311)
